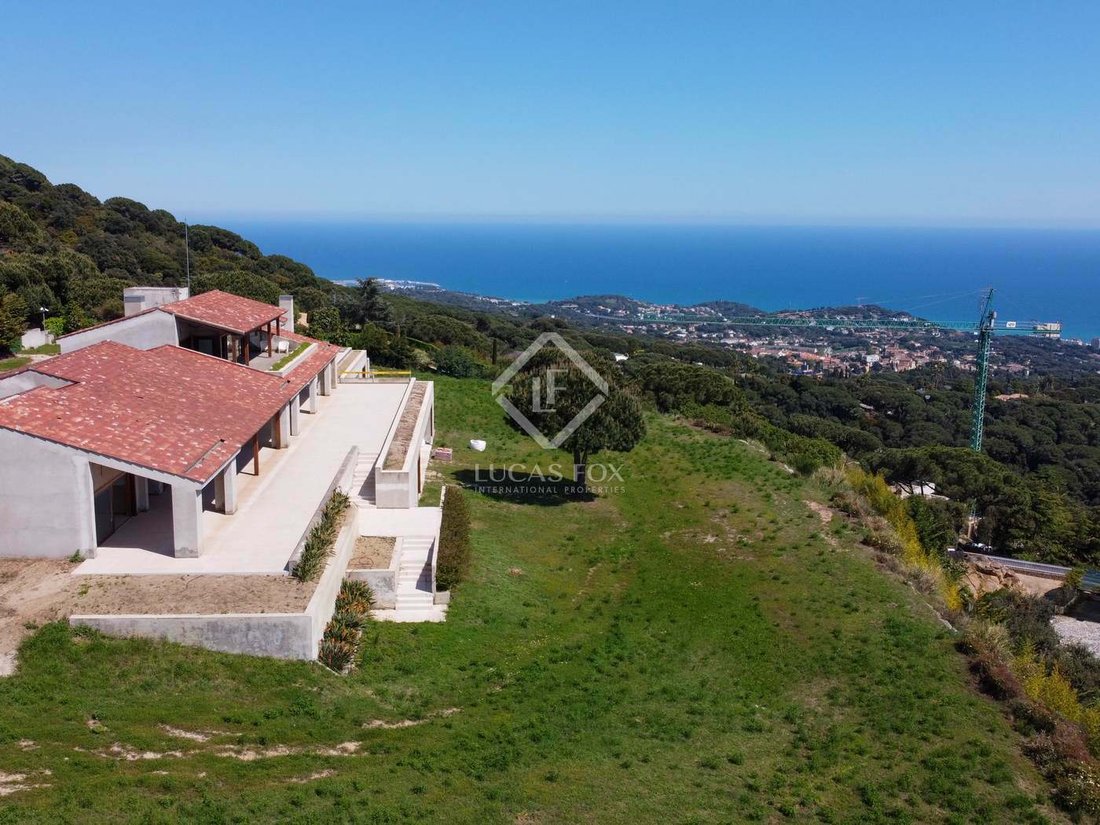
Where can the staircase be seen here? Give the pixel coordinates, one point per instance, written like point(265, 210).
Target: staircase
point(414, 601)
point(362, 480)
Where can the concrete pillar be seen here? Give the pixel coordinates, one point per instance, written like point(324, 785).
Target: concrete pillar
point(141, 493)
point(186, 521)
point(313, 396)
point(286, 304)
point(322, 377)
point(295, 419)
point(333, 378)
point(280, 430)
point(225, 489)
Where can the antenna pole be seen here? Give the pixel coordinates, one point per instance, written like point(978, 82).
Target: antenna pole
point(187, 255)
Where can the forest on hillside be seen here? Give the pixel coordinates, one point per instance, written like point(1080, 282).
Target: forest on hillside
point(63, 249)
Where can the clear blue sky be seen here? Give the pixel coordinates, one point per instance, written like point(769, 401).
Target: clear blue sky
point(880, 112)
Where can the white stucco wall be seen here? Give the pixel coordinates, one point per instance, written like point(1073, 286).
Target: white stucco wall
point(45, 499)
point(153, 329)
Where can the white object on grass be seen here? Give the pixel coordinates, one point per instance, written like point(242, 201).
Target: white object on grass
point(477, 444)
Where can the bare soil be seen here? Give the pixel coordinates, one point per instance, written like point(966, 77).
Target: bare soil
point(372, 553)
point(36, 591)
point(399, 447)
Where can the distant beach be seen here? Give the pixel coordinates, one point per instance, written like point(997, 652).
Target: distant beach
point(1042, 275)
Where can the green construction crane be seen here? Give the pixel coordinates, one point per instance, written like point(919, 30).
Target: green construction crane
point(985, 338)
point(985, 328)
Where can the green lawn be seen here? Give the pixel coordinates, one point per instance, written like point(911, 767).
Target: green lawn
point(13, 363)
point(696, 648)
point(44, 349)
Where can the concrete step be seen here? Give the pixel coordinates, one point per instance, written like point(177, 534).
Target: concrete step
point(415, 604)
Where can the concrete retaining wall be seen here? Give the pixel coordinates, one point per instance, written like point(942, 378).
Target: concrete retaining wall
point(382, 582)
point(323, 603)
point(282, 635)
point(279, 635)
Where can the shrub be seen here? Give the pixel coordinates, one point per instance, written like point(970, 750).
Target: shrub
point(1082, 669)
point(994, 676)
point(1026, 618)
point(454, 540)
point(336, 655)
point(1079, 790)
point(986, 637)
point(459, 362)
point(340, 630)
point(355, 599)
point(322, 535)
point(1032, 718)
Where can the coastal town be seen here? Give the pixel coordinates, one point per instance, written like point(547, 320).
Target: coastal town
point(828, 341)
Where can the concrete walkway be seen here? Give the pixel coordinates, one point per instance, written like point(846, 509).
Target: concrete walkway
point(273, 508)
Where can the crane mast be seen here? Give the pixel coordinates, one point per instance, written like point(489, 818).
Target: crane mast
point(985, 338)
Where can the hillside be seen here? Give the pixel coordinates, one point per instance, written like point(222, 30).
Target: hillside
point(1040, 494)
point(707, 638)
point(64, 249)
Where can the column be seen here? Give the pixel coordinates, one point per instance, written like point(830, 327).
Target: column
point(322, 377)
point(225, 489)
point(313, 396)
point(295, 419)
point(141, 493)
point(186, 521)
point(280, 430)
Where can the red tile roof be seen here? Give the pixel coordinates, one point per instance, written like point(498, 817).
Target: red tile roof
point(229, 312)
point(169, 408)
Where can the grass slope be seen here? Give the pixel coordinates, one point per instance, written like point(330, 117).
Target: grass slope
point(696, 648)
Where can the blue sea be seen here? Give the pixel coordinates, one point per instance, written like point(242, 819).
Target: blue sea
point(1038, 275)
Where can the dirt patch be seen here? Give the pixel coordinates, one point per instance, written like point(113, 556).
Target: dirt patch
point(191, 594)
point(382, 724)
point(823, 512)
point(250, 755)
point(399, 447)
point(372, 553)
point(14, 782)
point(36, 591)
point(32, 591)
point(193, 735)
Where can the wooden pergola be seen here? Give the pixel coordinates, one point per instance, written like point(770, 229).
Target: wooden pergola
point(240, 342)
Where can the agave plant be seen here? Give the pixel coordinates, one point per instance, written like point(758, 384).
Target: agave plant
point(336, 654)
point(339, 630)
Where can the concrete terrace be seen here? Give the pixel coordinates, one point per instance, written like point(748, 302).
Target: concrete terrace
point(274, 508)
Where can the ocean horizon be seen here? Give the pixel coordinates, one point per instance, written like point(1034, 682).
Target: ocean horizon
point(940, 274)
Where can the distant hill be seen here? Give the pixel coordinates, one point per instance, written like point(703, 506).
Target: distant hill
point(66, 250)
